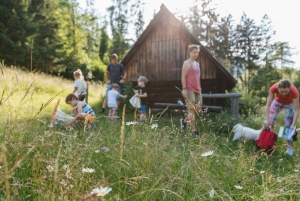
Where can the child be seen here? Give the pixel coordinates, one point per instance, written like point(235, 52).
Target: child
point(80, 87)
point(112, 100)
point(142, 93)
point(82, 110)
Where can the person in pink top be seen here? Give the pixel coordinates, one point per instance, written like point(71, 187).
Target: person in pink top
point(283, 95)
point(191, 88)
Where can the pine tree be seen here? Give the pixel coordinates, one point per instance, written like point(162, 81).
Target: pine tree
point(224, 42)
point(248, 45)
point(46, 43)
point(267, 32)
point(16, 28)
point(281, 57)
point(119, 21)
point(104, 43)
point(202, 23)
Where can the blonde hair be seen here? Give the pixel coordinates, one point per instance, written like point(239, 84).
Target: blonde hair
point(114, 86)
point(78, 74)
point(143, 79)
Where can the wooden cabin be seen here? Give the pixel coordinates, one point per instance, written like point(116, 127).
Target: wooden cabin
point(159, 54)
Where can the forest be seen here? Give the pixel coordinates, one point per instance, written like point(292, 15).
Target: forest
point(58, 36)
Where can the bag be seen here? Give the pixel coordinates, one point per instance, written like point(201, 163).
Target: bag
point(135, 101)
point(267, 140)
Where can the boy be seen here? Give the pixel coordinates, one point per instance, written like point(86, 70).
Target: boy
point(112, 100)
point(82, 110)
point(142, 93)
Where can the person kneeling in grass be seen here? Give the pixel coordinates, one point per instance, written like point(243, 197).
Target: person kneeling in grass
point(81, 110)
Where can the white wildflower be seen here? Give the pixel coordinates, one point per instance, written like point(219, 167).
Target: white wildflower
point(88, 170)
point(154, 126)
point(238, 187)
point(101, 191)
point(50, 168)
point(209, 153)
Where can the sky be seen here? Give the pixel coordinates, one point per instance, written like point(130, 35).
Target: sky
point(284, 14)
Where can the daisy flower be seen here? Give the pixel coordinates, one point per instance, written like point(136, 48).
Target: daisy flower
point(97, 151)
point(209, 153)
point(88, 170)
point(154, 126)
point(50, 168)
point(65, 166)
point(238, 187)
point(101, 191)
point(130, 123)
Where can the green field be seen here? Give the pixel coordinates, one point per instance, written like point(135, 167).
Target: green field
point(142, 163)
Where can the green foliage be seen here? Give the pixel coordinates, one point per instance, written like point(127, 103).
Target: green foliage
point(119, 21)
point(128, 90)
point(262, 81)
point(248, 104)
point(296, 82)
point(15, 27)
point(142, 163)
point(104, 43)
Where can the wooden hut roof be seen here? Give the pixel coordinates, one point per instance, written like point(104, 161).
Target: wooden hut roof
point(165, 14)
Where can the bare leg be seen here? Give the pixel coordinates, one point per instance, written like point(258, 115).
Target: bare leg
point(142, 117)
point(110, 112)
point(104, 102)
point(190, 119)
point(113, 114)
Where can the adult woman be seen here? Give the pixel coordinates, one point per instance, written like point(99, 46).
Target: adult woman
point(283, 95)
point(191, 88)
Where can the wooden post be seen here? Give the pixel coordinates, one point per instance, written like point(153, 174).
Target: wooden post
point(234, 102)
point(87, 93)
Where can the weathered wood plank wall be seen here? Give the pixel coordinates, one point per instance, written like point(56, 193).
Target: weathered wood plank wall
point(161, 55)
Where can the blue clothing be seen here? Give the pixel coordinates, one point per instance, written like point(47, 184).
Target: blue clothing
point(143, 109)
point(88, 109)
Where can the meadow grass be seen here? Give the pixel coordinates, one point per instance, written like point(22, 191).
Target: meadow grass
point(142, 163)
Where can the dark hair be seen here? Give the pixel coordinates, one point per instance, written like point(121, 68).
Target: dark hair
point(114, 56)
point(192, 47)
point(143, 79)
point(70, 97)
point(285, 83)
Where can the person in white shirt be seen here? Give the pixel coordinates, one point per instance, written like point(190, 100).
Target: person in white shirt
point(112, 100)
point(80, 86)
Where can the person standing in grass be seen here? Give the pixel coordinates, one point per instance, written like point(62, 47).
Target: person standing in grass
point(112, 100)
point(142, 93)
point(115, 73)
point(81, 109)
point(283, 95)
point(191, 89)
point(80, 86)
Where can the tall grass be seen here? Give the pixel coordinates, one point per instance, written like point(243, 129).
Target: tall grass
point(43, 163)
